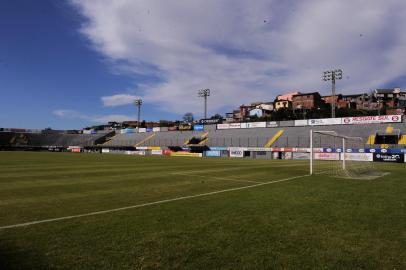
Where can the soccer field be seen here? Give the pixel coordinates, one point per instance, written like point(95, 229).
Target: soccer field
point(92, 211)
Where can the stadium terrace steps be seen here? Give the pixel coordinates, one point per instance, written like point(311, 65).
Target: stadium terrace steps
point(145, 140)
point(126, 139)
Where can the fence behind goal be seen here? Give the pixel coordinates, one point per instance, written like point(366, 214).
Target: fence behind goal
point(331, 154)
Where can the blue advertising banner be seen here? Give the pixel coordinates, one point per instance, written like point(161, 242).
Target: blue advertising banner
point(217, 148)
point(212, 153)
point(149, 129)
point(198, 127)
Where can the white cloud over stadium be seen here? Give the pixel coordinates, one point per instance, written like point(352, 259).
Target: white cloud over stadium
point(245, 50)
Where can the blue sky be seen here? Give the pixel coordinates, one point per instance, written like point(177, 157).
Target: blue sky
point(70, 64)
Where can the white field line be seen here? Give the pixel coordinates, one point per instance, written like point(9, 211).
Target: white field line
point(146, 204)
point(218, 178)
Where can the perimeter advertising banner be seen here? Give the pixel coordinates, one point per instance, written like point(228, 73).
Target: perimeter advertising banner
point(198, 127)
point(209, 121)
point(185, 127)
point(300, 155)
point(212, 153)
point(234, 125)
point(237, 152)
point(327, 156)
point(256, 125)
point(223, 126)
point(324, 121)
point(299, 123)
point(156, 152)
point(393, 158)
point(359, 156)
point(185, 154)
point(372, 119)
point(272, 124)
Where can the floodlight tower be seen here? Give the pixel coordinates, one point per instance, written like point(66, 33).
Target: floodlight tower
point(138, 103)
point(204, 93)
point(333, 75)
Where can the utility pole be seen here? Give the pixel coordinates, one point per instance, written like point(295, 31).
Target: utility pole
point(333, 75)
point(204, 93)
point(138, 103)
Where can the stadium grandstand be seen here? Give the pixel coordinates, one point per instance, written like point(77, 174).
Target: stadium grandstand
point(376, 132)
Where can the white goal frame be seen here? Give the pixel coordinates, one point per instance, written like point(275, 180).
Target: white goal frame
point(334, 134)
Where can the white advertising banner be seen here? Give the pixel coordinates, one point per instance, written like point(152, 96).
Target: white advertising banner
point(324, 121)
point(237, 152)
point(105, 150)
point(298, 155)
point(156, 152)
point(359, 156)
point(300, 123)
point(327, 156)
point(372, 119)
point(256, 125)
point(260, 149)
point(142, 147)
point(223, 126)
point(235, 125)
point(244, 125)
point(142, 130)
point(156, 129)
point(271, 124)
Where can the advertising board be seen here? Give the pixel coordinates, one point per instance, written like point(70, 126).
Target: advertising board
point(185, 127)
point(359, 156)
point(209, 121)
point(324, 121)
point(142, 147)
point(149, 129)
point(237, 152)
point(288, 155)
point(212, 153)
point(272, 124)
point(301, 155)
point(142, 130)
point(394, 158)
point(105, 150)
point(300, 123)
point(127, 130)
point(223, 126)
point(218, 148)
point(234, 125)
point(198, 127)
point(244, 125)
point(327, 156)
point(257, 149)
point(185, 154)
point(156, 129)
point(256, 125)
point(172, 128)
point(152, 148)
point(156, 152)
point(372, 119)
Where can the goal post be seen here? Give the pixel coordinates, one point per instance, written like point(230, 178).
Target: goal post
point(339, 155)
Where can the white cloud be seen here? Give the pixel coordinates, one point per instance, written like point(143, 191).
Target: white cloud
point(118, 100)
point(72, 114)
point(244, 50)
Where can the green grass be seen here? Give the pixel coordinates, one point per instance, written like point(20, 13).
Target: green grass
point(307, 223)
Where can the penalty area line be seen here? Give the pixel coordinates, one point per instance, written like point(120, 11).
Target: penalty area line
point(147, 204)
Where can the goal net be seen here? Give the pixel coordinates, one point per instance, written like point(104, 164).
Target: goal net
point(340, 156)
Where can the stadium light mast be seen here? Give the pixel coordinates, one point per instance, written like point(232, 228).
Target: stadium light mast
point(333, 75)
point(204, 93)
point(138, 103)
